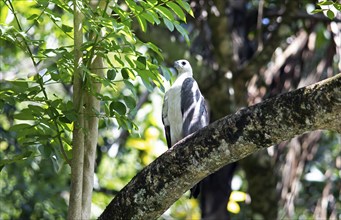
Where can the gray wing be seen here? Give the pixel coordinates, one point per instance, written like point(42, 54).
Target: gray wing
point(193, 107)
point(194, 115)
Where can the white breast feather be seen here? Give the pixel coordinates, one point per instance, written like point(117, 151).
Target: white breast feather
point(174, 114)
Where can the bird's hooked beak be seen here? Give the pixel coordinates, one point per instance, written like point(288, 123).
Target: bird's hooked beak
point(177, 65)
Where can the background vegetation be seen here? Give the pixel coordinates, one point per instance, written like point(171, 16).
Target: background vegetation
point(241, 51)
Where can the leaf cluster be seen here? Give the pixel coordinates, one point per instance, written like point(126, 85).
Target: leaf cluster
point(326, 7)
point(41, 94)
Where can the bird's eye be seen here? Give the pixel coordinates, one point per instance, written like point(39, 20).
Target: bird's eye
point(183, 63)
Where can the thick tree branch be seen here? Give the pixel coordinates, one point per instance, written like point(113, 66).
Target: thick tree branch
point(227, 140)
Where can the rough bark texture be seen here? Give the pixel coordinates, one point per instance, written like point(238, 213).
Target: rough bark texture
point(227, 140)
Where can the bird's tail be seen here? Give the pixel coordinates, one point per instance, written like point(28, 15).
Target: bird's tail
point(195, 191)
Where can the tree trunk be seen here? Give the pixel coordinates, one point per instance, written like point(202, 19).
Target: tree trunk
point(75, 201)
point(85, 133)
point(92, 105)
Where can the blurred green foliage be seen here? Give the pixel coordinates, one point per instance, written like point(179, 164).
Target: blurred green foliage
point(36, 51)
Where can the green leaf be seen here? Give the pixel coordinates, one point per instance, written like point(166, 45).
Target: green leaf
point(46, 130)
point(118, 107)
point(325, 3)
point(33, 17)
point(182, 31)
point(142, 23)
point(133, 6)
point(19, 85)
point(20, 127)
point(166, 73)
point(127, 73)
point(337, 6)
point(177, 10)
point(145, 74)
point(144, 5)
point(52, 112)
point(68, 112)
point(141, 62)
point(316, 11)
point(34, 90)
point(156, 49)
point(164, 12)
point(36, 110)
point(130, 62)
point(330, 14)
point(111, 74)
point(157, 80)
point(67, 28)
point(154, 16)
point(71, 116)
point(68, 106)
point(152, 65)
point(64, 119)
point(185, 6)
point(131, 87)
point(148, 17)
point(107, 109)
point(25, 114)
point(168, 24)
point(121, 122)
point(56, 103)
point(54, 17)
point(152, 2)
point(119, 60)
point(122, 14)
point(129, 101)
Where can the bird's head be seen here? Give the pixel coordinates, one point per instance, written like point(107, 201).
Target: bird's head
point(183, 66)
